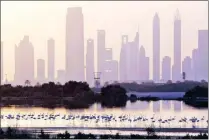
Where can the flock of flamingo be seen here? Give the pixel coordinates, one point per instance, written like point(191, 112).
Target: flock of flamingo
point(107, 119)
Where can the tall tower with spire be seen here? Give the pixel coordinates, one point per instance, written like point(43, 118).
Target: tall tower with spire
point(156, 48)
point(176, 69)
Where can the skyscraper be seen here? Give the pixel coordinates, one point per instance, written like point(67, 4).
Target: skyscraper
point(123, 59)
point(74, 44)
point(108, 52)
point(129, 59)
point(195, 64)
point(135, 58)
point(176, 71)
point(187, 67)
point(90, 62)
point(41, 71)
point(61, 76)
point(101, 52)
point(51, 57)
point(132, 59)
point(1, 64)
point(114, 70)
point(24, 61)
point(146, 69)
point(156, 48)
point(203, 55)
point(111, 71)
point(144, 65)
point(166, 69)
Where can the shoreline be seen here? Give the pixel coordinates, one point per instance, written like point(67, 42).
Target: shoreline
point(140, 129)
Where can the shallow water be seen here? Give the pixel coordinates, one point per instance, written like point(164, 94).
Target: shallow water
point(158, 110)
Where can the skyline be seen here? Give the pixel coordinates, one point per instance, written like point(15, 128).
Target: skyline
point(116, 48)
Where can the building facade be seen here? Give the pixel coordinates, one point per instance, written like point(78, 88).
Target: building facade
point(101, 53)
point(51, 59)
point(156, 48)
point(90, 62)
point(187, 67)
point(40, 71)
point(166, 69)
point(176, 71)
point(74, 44)
point(24, 62)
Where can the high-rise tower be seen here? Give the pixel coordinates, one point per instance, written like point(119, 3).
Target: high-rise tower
point(166, 68)
point(41, 71)
point(203, 55)
point(90, 62)
point(24, 61)
point(176, 69)
point(1, 63)
point(74, 44)
point(101, 52)
point(156, 48)
point(51, 57)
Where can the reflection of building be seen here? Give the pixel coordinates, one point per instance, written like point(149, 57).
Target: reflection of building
point(166, 105)
point(40, 71)
point(90, 62)
point(177, 105)
point(74, 44)
point(143, 105)
point(186, 107)
point(24, 61)
point(156, 106)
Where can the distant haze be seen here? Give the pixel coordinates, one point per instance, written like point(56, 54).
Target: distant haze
point(43, 20)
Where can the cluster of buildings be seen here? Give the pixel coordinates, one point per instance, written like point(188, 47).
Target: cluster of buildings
point(133, 64)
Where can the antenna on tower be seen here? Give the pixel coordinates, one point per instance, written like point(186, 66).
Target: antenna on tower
point(177, 15)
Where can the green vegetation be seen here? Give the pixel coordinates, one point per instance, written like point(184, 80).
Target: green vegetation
point(70, 95)
point(113, 96)
point(198, 91)
point(73, 95)
point(197, 97)
point(76, 95)
point(133, 98)
point(69, 89)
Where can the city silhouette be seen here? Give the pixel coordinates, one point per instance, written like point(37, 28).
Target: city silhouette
point(132, 66)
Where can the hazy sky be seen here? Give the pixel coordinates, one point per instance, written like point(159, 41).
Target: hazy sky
point(42, 20)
